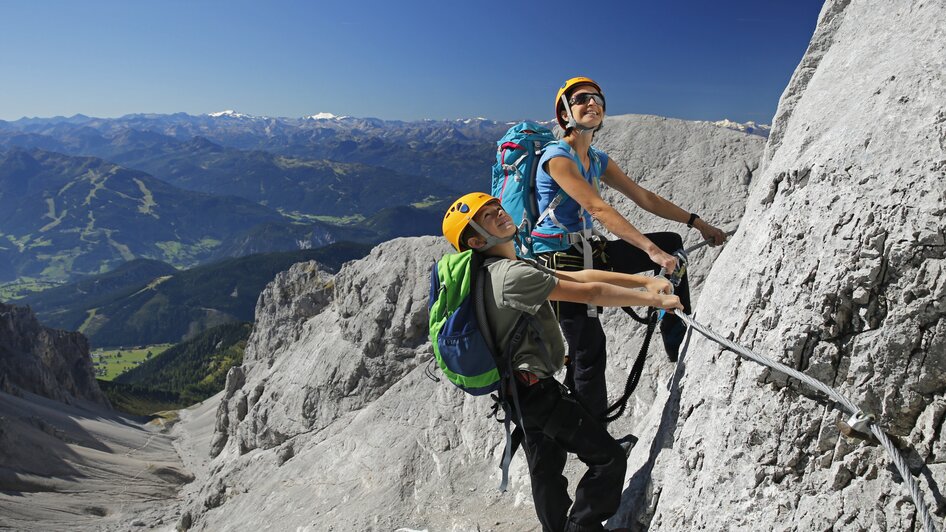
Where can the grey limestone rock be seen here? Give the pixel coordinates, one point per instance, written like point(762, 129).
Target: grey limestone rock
point(699, 166)
point(325, 346)
point(839, 270)
point(47, 362)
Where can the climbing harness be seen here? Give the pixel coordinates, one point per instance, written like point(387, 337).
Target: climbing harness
point(859, 421)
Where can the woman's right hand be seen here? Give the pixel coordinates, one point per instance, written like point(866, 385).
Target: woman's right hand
point(663, 259)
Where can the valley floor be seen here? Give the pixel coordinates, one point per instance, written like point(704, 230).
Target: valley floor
point(82, 467)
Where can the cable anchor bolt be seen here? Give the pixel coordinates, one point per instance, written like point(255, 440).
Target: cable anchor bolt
point(858, 426)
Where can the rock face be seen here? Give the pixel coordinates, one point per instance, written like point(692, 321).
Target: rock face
point(82, 467)
point(699, 166)
point(331, 423)
point(839, 270)
point(43, 361)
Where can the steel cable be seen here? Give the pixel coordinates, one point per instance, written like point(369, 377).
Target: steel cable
point(898, 460)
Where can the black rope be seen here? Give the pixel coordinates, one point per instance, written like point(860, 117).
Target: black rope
point(429, 372)
point(634, 376)
point(636, 317)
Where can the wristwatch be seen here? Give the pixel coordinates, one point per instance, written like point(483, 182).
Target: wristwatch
point(693, 217)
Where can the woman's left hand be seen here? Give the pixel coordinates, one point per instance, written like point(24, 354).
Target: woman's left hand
point(715, 235)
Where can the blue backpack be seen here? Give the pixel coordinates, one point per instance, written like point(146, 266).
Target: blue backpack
point(517, 161)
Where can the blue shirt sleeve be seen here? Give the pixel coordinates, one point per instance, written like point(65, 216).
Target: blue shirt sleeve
point(553, 151)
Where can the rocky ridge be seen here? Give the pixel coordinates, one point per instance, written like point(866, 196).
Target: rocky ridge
point(67, 461)
point(43, 361)
point(699, 166)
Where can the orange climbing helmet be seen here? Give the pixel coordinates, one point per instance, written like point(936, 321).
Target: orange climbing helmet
point(560, 97)
point(461, 213)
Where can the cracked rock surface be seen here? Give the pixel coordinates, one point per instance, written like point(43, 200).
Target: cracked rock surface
point(44, 361)
point(838, 270)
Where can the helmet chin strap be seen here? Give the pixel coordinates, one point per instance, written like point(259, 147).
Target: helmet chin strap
point(491, 240)
point(571, 119)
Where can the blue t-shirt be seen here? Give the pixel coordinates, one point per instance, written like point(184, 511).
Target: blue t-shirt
point(547, 236)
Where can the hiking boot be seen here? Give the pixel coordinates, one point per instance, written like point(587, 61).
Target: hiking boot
point(627, 443)
point(672, 331)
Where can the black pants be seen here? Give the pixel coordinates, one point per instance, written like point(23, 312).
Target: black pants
point(587, 345)
point(555, 424)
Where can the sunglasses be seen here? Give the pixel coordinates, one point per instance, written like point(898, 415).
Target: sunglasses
point(585, 97)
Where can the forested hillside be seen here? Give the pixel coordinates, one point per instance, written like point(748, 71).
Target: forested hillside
point(193, 370)
point(173, 307)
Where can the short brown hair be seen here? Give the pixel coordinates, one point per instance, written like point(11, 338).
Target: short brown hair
point(468, 233)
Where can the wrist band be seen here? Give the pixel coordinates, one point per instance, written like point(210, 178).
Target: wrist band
point(693, 217)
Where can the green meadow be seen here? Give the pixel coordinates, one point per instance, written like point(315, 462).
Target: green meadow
point(109, 363)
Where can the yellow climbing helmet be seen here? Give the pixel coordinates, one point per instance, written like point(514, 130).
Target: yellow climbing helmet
point(567, 86)
point(461, 213)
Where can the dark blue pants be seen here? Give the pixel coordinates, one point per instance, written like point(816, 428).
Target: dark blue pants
point(587, 345)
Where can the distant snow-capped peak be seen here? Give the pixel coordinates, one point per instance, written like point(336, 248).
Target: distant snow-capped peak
point(229, 113)
point(324, 116)
point(749, 127)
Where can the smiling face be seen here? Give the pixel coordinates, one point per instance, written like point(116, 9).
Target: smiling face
point(588, 111)
point(494, 220)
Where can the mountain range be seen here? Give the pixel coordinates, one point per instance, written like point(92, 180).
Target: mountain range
point(149, 302)
point(64, 216)
point(458, 152)
point(81, 195)
point(61, 214)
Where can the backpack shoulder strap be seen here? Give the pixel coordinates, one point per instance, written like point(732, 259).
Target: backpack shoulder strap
point(595, 168)
point(479, 303)
point(479, 292)
point(595, 162)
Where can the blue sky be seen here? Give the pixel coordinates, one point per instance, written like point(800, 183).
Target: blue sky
point(405, 59)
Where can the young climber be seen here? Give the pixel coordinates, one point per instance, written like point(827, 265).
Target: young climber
point(569, 174)
point(553, 421)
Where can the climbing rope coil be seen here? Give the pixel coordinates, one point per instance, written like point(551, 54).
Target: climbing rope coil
point(859, 420)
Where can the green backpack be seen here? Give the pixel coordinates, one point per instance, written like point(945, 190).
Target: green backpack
point(460, 337)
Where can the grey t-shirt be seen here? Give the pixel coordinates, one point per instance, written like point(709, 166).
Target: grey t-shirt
point(517, 286)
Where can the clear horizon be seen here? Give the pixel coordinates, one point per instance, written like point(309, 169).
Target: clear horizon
point(413, 60)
